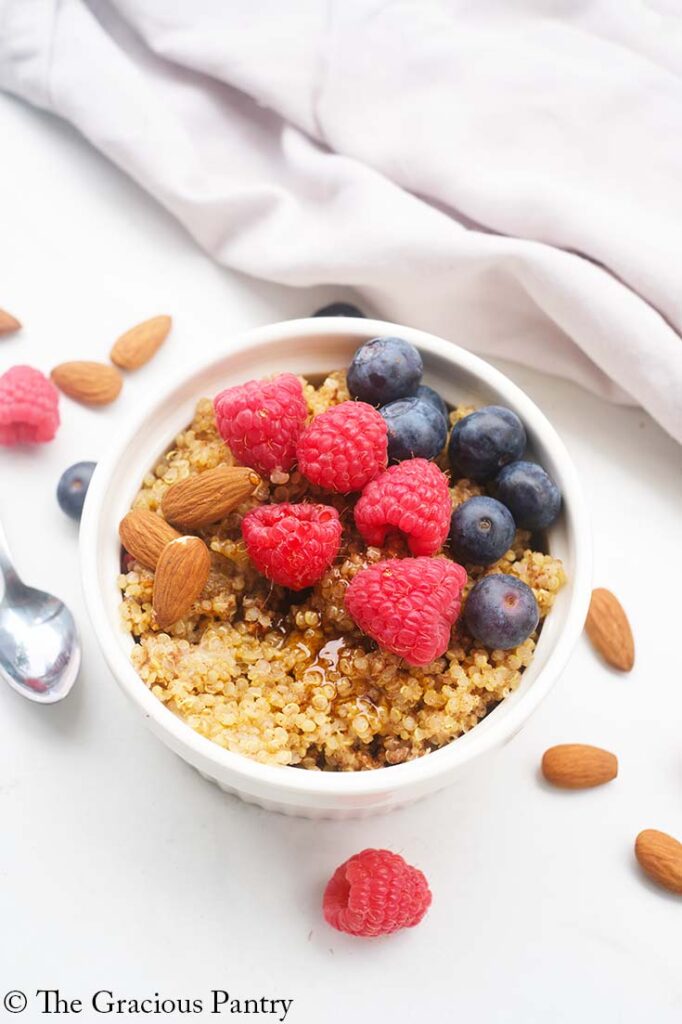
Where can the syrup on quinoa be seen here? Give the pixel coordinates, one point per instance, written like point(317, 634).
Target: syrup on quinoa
point(287, 678)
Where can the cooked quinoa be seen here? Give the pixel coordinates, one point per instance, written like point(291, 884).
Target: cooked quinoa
point(296, 683)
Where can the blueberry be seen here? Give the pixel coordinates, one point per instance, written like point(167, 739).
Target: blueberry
point(73, 486)
point(415, 429)
point(501, 612)
point(383, 370)
point(484, 441)
point(530, 494)
point(427, 394)
point(339, 309)
point(481, 530)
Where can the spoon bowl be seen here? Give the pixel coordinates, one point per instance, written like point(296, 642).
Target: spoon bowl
point(39, 644)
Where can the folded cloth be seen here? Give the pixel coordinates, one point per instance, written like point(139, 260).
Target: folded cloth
point(504, 174)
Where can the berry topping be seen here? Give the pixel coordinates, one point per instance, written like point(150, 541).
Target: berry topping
point(484, 441)
point(412, 498)
point(427, 394)
point(415, 429)
point(384, 369)
point(262, 420)
point(292, 544)
point(339, 309)
point(343, 448)
point(482, 530)
point(530, 494)
point(376, 892)
point(408, 605)
point(501, 612)
point(73, 487)
point(29, 412)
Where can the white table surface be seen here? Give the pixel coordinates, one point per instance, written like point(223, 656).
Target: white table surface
point(121, 869)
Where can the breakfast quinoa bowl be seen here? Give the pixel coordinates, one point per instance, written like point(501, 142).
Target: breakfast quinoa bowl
point(286, 676)
point(318, 349)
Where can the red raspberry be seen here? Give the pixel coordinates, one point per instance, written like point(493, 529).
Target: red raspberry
point(375, 893)
point(408, 605)
point(412, 497)
point(344, 448)
point(262, 420)
point(29, 407)
point(292, 544)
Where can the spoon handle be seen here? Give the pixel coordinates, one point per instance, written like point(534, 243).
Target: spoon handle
point(7, 569)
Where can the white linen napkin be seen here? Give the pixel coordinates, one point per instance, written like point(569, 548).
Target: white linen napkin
point(505, 173)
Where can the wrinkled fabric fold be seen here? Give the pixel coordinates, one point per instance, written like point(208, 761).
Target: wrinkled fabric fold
point(506, 176)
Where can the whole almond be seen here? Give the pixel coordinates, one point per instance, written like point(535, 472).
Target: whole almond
point(137, 346)
point(181, 574)
point(90, 383)
point(207, 497)
point(578, 766)
point(144, 535)
point(660, 857)
point(8, 323)
point(609, 630)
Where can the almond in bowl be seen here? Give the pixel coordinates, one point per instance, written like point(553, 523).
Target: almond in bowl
point(321, 572)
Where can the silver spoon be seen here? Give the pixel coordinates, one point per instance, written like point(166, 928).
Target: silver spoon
point(40, 651)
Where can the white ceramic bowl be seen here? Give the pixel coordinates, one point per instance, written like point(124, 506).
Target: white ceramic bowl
point(311, 347)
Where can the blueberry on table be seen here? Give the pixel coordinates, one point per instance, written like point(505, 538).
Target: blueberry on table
point(481, 530)
point(73, 486)
point(501, 612)
point(383, 370)
point(530, 494)
point(339, 309)
point(427, 394)
point(484, 441)
point(415, 429)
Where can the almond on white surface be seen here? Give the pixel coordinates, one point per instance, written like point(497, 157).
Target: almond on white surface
point(660, 857)
point(8, 323)
point(609, 630)
point(578, 766)
point(88, 382)
point(139, 344)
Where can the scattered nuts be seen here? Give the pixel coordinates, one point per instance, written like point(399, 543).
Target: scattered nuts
point(137, 346)
point(8, 323)
point(87, 382)
point(578, 766)
point(609, 630)
point(660, 857)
